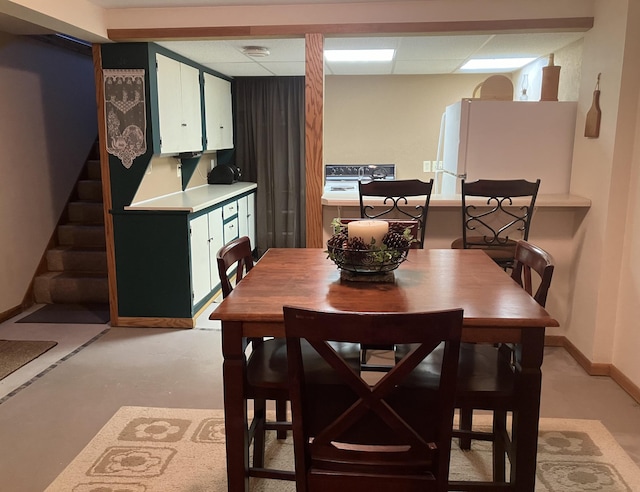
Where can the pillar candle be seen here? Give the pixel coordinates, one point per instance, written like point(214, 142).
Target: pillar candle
point(371, 231)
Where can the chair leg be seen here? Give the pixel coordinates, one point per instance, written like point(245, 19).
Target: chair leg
point(466, 423)
point(281, 416)
point(499, 445)
point(363, 356)
point(259, 416)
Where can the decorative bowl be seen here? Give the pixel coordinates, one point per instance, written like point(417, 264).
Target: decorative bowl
point(367, 261)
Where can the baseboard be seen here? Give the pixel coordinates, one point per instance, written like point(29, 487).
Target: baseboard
point(154, 322)
point(10, 313)
point(595, 369)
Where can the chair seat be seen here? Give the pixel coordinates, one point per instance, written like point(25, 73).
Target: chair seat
point(483, 372)
point(267, 365)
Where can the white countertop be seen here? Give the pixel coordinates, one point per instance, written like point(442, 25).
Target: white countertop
point(351, 199)
point(194, 199)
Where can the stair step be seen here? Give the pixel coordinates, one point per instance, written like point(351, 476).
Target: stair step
point(66, 258)
point(93, 169)
point(57, 287)
point(80, 235)
point(86, 212)
point(90, 190)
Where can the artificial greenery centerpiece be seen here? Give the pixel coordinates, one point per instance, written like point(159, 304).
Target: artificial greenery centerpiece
point(354, 254)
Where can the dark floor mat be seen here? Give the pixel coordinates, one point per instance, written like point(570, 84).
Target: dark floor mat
point(16, 353)
point(69, 314)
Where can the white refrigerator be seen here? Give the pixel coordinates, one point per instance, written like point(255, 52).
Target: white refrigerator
point(483, 139)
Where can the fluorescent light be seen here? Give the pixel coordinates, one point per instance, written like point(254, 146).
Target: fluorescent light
point(496, 63)
point(359, 55)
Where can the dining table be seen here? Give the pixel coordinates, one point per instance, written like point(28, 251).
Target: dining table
point(496, 310)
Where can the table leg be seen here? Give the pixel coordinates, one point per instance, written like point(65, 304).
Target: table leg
point(526, 415)
point(235, 407)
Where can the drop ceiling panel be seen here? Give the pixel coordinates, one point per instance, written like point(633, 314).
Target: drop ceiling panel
point(439, 47)
point(250, 69)
point(427, 67)
point(528, 44)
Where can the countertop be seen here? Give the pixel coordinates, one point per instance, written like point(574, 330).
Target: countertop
point(350, 199)
point(194, 199)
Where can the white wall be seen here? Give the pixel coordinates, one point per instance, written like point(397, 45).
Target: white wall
point(47, 127)
point(605, 169)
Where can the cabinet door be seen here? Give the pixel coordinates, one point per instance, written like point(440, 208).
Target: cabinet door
point(243, 230)
point(251, 219)
point(191, 123)
point(179, 106)
point(200, 258)
point(218, 113)
point(216, 241)
point(169, 102)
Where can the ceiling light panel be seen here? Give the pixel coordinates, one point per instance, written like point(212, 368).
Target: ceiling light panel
point(439, 47)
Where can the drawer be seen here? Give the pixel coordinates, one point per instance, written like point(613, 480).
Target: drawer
point(231, 230)
point(229, 210)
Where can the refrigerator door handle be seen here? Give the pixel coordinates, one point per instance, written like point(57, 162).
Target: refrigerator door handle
point(460, 176)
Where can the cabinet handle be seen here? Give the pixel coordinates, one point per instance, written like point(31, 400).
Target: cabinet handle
point(184, 124)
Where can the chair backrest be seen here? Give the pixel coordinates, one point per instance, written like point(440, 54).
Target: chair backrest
point(352, 436)
point(395, 203)
point(530, 257)
point(491, 224)
point(236, 252)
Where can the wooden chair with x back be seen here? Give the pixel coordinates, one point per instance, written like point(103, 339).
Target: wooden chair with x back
point(350, 436)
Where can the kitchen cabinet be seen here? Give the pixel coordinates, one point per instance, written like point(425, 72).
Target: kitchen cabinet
point(207, 237)
point(179, 106)
point(246, 218)
point(166, 252)
point(218, 113)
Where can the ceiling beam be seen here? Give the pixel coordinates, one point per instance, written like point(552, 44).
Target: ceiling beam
point(564, 24)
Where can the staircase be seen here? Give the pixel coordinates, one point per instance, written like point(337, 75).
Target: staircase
point(76, 267)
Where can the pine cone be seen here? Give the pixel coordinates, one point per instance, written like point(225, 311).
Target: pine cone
point(394, 240)
point(356, 249)
point(397, 227)
point(338, 241)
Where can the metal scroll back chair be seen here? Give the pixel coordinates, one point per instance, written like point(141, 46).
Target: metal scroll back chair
point(266, 375)
point(491, 226)
point(349, 436)
point(396, 204)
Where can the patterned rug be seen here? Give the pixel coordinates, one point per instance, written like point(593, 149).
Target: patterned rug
point(182, 450)
point(16, 353)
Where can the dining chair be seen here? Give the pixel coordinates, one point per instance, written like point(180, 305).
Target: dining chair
point(491, 226)
point(395, 204)
point(486, 373)
point(350, 436)
point(266, 375)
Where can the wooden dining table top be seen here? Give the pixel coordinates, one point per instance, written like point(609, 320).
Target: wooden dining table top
point(430, 279)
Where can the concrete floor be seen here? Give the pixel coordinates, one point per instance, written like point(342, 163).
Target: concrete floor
point(52, 407)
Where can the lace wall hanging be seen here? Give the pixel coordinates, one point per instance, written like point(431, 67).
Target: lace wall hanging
point(126, 114)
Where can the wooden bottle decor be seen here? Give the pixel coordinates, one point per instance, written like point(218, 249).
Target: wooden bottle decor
point(550, 80)
point(592, 123)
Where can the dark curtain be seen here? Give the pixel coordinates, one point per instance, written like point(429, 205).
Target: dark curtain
point(269, 148)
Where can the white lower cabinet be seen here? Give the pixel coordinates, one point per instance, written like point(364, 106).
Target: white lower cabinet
point(207, 237)
point(246, 218)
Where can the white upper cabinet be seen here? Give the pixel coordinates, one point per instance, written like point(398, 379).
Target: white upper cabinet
point(218, 113)
point(179, 106)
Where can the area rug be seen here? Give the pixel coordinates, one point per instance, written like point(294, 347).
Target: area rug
point(182, 450)
point(86, 314)
point(16, 353)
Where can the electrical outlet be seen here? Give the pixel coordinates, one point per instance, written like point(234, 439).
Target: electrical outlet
point(179, 170)
point(426, 166)
point(213, 163)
